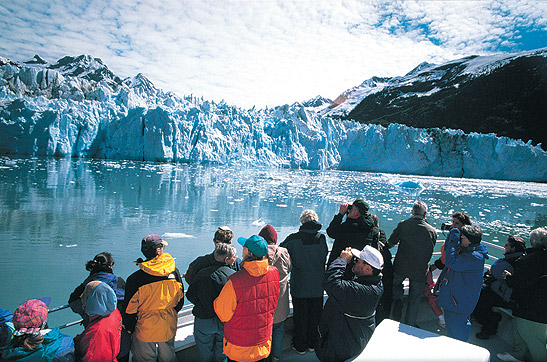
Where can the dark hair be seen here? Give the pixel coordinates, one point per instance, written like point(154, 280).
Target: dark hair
point(252, 257)
point(516, 242)
point(151, 253)
point(29, 342)
point(223, 235)
point(464, 219)
point(102, 262)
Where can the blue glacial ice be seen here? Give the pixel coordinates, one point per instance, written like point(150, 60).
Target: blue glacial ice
point(46, 113)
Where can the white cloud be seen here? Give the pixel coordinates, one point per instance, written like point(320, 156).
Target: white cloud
point(264, 52)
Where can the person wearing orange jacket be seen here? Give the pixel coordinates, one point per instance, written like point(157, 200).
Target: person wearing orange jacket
point(247, 303)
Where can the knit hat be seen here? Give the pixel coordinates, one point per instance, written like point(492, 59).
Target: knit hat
point(31, 316)
point(361, 206)
point(371, 256)
point(101, 300)
point(269, 233)
point(256, 245)
point(472, 232)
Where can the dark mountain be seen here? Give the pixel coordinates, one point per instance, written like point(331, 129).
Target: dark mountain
point(506, 96)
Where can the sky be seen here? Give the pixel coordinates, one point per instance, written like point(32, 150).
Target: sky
point(267, 52)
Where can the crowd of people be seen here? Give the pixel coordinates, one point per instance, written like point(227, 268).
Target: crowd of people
point(240, 305)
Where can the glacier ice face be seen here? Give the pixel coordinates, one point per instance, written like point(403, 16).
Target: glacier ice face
point(51, 112)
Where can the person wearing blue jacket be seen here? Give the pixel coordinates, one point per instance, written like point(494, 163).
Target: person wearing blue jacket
point(101, 269)
point(30, 342)
point(461, 286)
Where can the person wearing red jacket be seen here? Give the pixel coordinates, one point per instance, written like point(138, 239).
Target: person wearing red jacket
point(247, 302)
point(100, 341)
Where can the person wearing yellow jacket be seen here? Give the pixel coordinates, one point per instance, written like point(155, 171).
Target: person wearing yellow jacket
point(247, 302)
point(153, 296)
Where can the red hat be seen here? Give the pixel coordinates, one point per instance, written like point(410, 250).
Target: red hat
point(269, 233)
point(30, 316)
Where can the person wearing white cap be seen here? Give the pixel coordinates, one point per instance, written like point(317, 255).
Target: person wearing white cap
point(348, 319)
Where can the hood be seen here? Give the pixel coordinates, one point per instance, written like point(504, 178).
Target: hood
point(256, 267)
point(310, 226)
point(160, 266)
point(476, 249)
point(273, 253)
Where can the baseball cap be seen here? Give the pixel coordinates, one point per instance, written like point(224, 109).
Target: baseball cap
point(31, 316)
point(151, 241)
point(371, 256)
point(256, 245)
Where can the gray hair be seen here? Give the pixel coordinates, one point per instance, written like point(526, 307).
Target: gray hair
point(308, 215)
point(223, 251)
point(538, 238)
point(419, 208)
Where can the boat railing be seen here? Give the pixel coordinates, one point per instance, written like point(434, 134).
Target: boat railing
point(185, 317)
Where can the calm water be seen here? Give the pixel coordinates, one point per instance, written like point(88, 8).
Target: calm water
point(59, 213)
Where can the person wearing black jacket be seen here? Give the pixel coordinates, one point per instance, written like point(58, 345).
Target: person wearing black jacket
point(355, 231)
point(207, 284)
point(348, 322)
point(529, 283)
point(308, 251)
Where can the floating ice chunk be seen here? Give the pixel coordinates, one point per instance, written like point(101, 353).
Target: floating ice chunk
point(410, 185)
point(176, 236)
point(258, 222)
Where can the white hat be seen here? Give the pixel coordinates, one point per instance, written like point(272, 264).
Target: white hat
point(371, 256)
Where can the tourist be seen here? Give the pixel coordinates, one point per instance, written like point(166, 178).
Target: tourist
point(379, 241)
point(495, 292)
point(247, 304)
point(101, 269)
point(29, 343)
point(461, 286)
point(223, 235)
point(100, 341)
point(308, 250)
point(348, 319)
point(6, 329)
point(459, 219)
point(354, 232)
point(278, 257)
point(529, 283)
point(416, 240)
point(207, 284)
point(153, 297)
point(432, 298)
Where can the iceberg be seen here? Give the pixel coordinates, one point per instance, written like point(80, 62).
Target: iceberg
point(46, 110)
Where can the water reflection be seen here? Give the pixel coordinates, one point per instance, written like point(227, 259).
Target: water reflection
point(58, 213)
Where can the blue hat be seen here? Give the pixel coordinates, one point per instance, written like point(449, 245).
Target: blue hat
point(101, 301)
point(256, 245)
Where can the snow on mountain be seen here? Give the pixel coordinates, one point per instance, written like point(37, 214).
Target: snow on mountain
point(442, 75)
point(77, 107)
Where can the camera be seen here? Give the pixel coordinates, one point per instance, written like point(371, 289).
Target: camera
point(349, 208)
point(446, 226)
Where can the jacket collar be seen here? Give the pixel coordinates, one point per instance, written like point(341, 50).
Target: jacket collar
point(161, 265)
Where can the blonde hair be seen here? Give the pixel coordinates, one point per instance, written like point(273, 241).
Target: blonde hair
point(308, 215)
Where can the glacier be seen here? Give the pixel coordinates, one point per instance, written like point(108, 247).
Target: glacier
point(78, 108)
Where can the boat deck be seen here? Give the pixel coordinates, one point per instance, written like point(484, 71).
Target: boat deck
point(426, 320)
